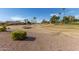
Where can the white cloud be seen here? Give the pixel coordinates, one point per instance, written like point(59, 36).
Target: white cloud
point(51, 14)
point(54, 14)
point(17, 18)
point(77, 16)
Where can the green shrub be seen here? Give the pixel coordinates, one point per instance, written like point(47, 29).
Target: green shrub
point(3, 28)
point(19, 35)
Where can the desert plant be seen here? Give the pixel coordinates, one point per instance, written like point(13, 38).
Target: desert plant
point(19, 35)
point(3, 28)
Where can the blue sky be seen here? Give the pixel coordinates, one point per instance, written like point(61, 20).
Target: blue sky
point(40, 13)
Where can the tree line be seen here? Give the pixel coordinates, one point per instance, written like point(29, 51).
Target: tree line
point(65, 20)
point(53, 20)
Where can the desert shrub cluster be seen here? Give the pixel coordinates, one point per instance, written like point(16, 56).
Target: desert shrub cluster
point(3, 28)
point(19, 35)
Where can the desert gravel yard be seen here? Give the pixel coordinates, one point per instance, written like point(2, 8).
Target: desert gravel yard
point(39, 39)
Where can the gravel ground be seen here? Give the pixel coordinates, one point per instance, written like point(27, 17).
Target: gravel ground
point(40, 39)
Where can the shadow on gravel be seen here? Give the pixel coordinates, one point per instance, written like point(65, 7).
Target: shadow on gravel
point(27, 27)
point(28, 39)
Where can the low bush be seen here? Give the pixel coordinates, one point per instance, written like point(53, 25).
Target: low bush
point(19, 35)
point(3, 28)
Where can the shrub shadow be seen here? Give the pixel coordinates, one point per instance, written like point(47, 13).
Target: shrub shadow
point(27, 27)
point(28, 39)
point(9, 30)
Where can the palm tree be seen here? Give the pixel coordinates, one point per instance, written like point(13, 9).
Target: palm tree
point(64, 10)
point(34, 17)
point(34, 20)
point(25, 21)
point(59, 14)
point(63, 21)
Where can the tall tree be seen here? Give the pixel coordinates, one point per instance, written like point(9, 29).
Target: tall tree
point(44, 21)
point(65, 20)
point(68, 19)
point(54, 19)
point(25, 21)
